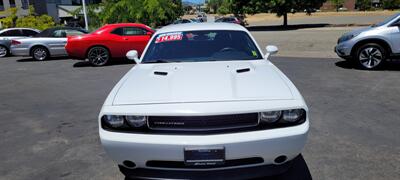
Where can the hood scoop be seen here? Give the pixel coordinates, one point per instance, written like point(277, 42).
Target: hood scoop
point(243, 70)
point(160, 73)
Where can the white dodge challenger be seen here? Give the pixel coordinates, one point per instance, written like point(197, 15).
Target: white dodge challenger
point(203, 102)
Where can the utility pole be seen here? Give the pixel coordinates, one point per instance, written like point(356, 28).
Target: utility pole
point(84, 14)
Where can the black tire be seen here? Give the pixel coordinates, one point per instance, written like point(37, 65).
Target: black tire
point(370, 56)
point(40, 53)
point(98, 56)
point(4, 51)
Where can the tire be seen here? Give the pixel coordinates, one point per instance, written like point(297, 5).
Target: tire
point(98, 56)
point(40, 53)
point(370, 56)
point(4, 52)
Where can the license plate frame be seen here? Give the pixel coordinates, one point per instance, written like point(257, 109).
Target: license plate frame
point(208, 156)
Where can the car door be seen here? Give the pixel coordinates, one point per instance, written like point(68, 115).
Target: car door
point(56, 42)
point(394, 36)
point(129, 38)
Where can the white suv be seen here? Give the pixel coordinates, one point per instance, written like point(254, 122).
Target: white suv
point(203, 102)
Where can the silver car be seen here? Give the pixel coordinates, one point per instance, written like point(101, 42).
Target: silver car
point(49, 43)
point(370, 47)
point(6, 35)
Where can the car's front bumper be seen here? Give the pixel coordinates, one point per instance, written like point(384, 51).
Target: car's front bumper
point(343, 50)
point(232, 174)
point(265, 144)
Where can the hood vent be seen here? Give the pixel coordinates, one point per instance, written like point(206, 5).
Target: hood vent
point(160, 73)
point(243, 70)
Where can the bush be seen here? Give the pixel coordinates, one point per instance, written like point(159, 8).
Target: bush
point(38, 22)
point(7, 22)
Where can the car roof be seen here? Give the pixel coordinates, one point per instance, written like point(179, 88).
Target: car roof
point(19, 28)
point(200, 27)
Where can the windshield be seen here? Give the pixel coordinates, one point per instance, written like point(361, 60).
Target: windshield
point(386, 21)
point(199, 46)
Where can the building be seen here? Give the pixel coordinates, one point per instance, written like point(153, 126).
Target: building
point(350, 5)
point(60, 10)
point(22, 5)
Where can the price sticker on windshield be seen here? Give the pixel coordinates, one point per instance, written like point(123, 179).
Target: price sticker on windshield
point(175, 36)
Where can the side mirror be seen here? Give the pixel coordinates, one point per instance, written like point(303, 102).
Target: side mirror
point(133, 55)
point(149, 33)
point(271, 50)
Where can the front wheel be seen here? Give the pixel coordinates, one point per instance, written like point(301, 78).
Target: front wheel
point(371, 56)
point(98, 56)
point(3, 51)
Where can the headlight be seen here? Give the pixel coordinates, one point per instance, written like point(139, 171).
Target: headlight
point(118, 122)
point(114, 121)
point(136, 121)
point(270, 117)
point(282, 118)
point(347, 37)
point(292, 115)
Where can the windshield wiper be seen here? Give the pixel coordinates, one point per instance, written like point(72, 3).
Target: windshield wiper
point(158, 61)
point(162, 61)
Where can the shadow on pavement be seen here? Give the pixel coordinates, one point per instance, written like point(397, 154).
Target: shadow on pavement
point(113, 62)
point(298, 171)
point(393, 65)
point(299, 26)
point(50, 59)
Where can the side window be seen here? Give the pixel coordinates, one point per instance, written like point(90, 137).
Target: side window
point(71, 32)
point(59, 33)
point(118, 31)
point(133, 31)
point(27, 32)
point(14, 32)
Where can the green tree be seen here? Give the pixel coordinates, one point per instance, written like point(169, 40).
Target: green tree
point(38, 22)
point(224, 8)
point(337, 4)
point(391, 4)
point(364, 5)
point(282, 7)
point(150, 12)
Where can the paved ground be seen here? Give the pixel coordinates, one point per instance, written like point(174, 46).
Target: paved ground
point(329, 18)
point(308, 42)
point(49, 130)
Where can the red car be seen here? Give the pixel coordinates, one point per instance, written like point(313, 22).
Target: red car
point(110, 41)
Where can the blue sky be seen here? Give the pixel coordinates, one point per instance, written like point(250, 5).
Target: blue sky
point(194, 1)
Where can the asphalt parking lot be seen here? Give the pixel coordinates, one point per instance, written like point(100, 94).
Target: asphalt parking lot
point(49, 109)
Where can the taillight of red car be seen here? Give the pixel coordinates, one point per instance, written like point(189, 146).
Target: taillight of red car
point(237, 21)
point(14, 42)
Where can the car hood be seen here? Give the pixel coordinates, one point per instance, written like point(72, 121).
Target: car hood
point(202, 82)
point(359, 31)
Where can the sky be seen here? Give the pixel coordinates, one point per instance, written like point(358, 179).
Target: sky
point(194, 1)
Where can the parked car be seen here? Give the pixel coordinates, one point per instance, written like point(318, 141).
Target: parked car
point(48, 43)
point(110, 41)
point(182, 21)
point(203, 102)
point(6, 35)
point(370, 47)
point(234, 20)
point(202, 17)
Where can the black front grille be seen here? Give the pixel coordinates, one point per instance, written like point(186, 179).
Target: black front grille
point(203, 123)
point(228, 163)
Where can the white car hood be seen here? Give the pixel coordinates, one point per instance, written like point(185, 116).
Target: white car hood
point(202, 82)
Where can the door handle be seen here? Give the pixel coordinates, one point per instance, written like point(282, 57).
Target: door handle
point(126, 38)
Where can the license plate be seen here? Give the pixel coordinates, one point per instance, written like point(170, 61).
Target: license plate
point(204, 156)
